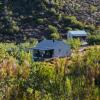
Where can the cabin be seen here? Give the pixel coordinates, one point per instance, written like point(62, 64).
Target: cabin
point(79, 34)
point(50, 49)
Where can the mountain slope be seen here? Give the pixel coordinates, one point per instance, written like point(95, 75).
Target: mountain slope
point(27, 16)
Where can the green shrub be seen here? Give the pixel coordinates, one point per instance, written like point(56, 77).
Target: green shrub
point(52, 11)
point(90, 27)
point(52, 29)
point(68, 28)
point(73, 22)
point(93, 9)
point(74, 43)
point(40, 21)
point(55, 36)
point(59, 17)
point(94, 39)
point(69, 19)
point(78, 24)
point(11, 25)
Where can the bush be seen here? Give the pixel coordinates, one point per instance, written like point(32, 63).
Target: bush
point(68, 29)
point(74, 43)
point(10, 26)
point(55, 36)
point(90, 27)
point(77, 24)
point(52, 11)
point(52, 29)
point(59, 17)
point(73, 22)
point(94, 39)
point(40, 21)
point(69, 19)
point(93, 9)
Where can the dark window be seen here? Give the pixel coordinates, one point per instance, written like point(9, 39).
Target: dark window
point(43, 53)
point(49, 53)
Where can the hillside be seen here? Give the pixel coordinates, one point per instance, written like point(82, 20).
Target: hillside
point(35, 18)
point(66, 67)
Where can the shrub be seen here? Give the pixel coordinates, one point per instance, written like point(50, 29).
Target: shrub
point(55, 36)
point(90, 27)
point(68, 29)
point(52, 11)
point(93, 9)
point(74, 43)
point(52, 29)
point(77, 24)
point(59, 17)
point(40, 21)
point(69, 19)
point(73, 22)
point(94, 39)
point(10, 25)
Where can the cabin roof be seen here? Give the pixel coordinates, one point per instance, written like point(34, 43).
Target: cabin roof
point(49, 45)
point(78, 33)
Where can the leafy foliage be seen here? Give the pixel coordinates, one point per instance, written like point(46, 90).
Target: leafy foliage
point(94, 39)
point(74, 43)
point(74, 78)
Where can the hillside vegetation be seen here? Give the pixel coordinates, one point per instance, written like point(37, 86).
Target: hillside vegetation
point(77, 78)
point(22, 19)
point(23, 23)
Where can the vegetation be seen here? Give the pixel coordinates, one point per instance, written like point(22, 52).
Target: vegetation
point(94, 39)
point(22, 18)
point(60, 79)
point(54, 32)
point(74, 43)
point(73, 78)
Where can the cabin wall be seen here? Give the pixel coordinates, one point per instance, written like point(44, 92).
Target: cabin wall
point(63, 52)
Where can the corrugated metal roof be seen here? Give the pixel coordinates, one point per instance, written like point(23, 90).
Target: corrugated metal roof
point(78, 33)
point(49, 44)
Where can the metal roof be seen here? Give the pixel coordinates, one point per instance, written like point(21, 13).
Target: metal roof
point(78, 33)
point(49, 44)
